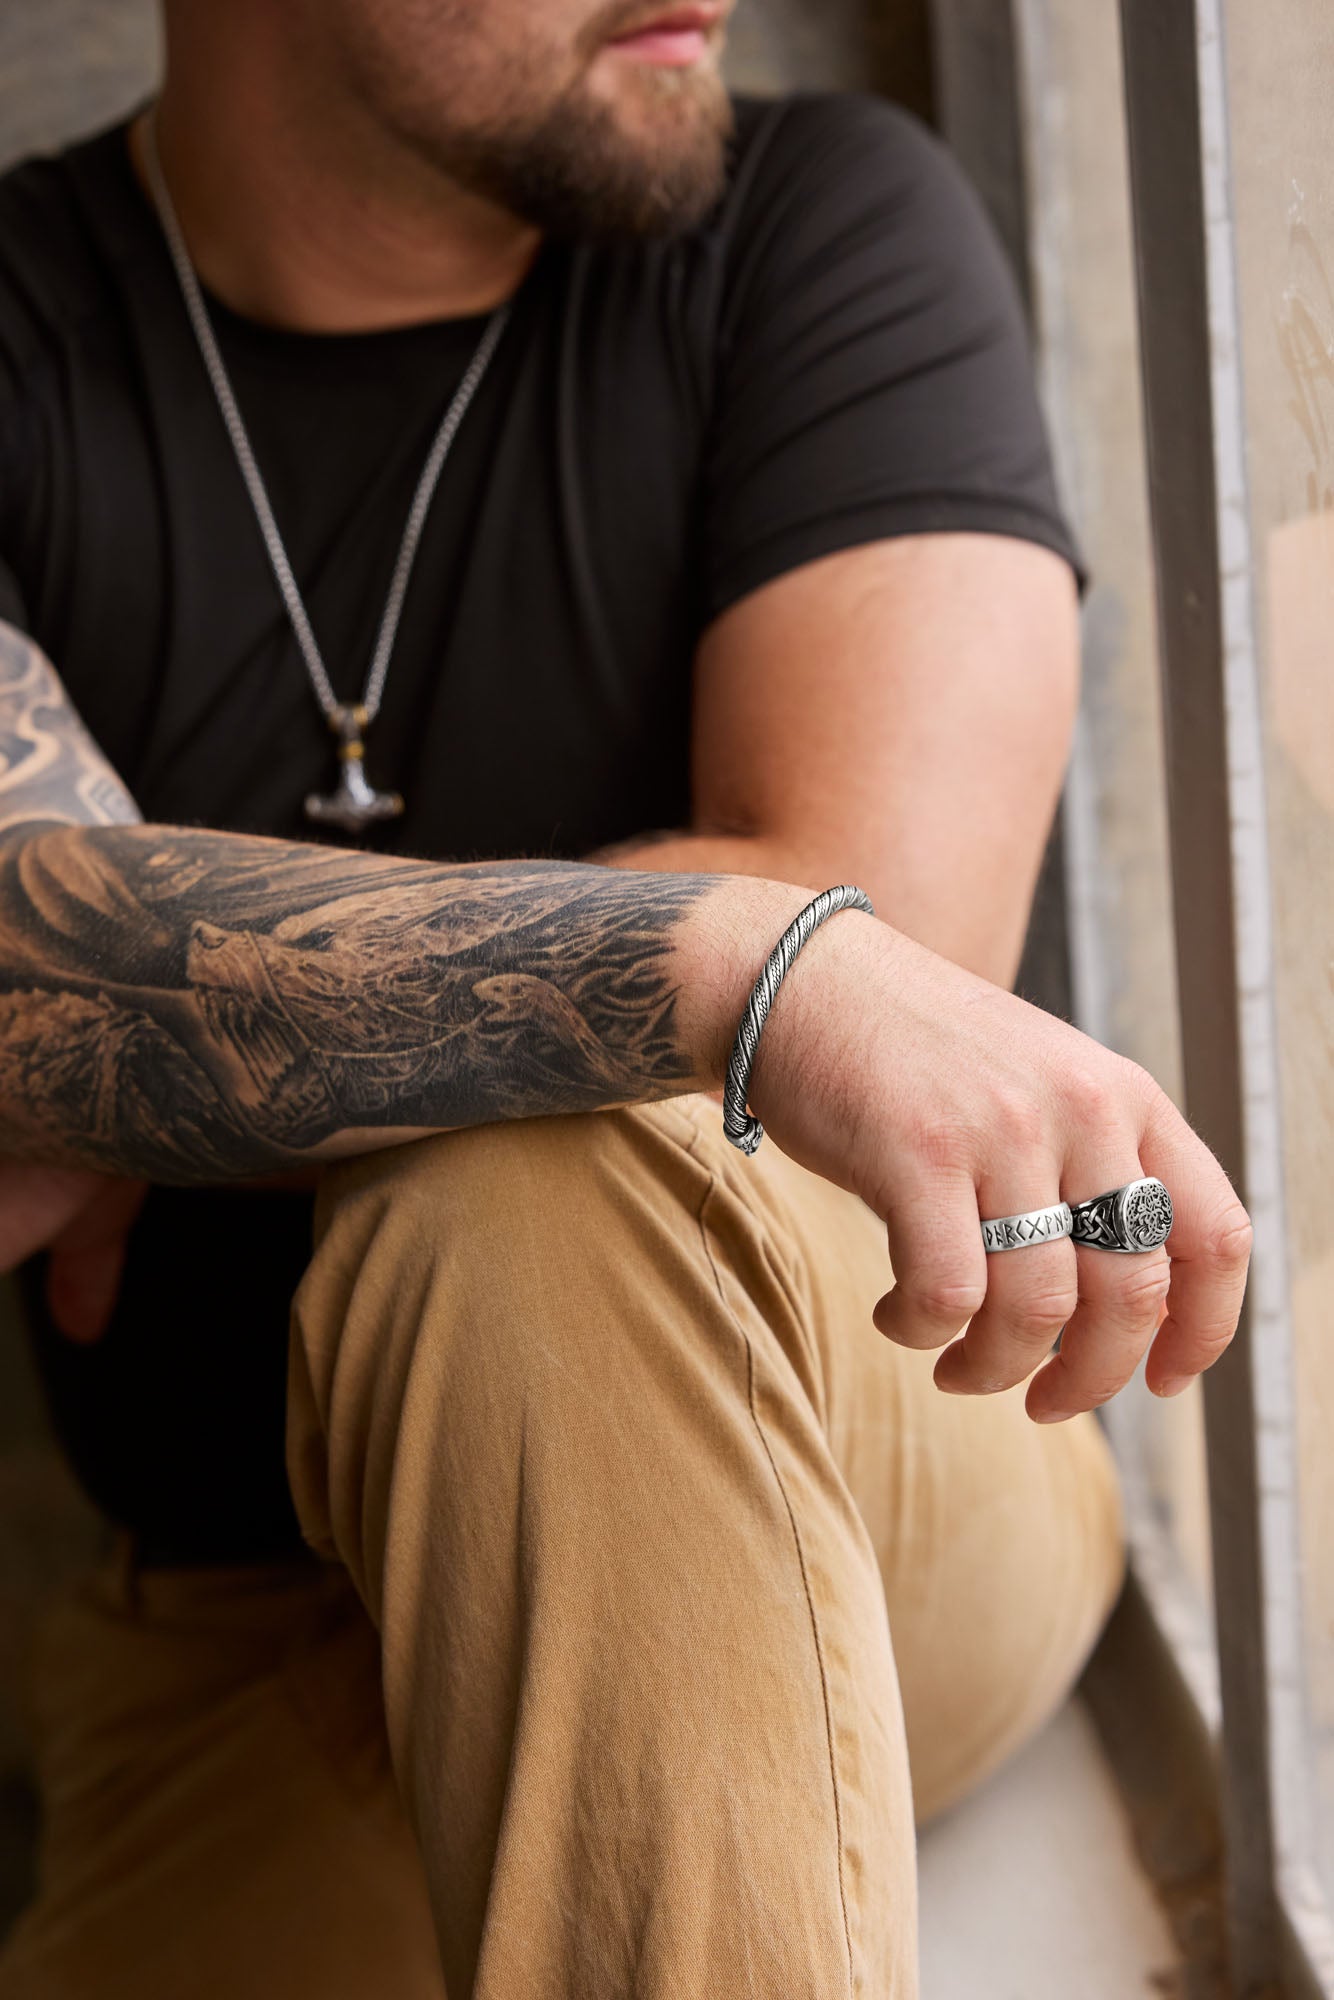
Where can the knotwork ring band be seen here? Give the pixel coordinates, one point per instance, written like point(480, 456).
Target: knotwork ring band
point(1035, 1225)
point(1133, 1218)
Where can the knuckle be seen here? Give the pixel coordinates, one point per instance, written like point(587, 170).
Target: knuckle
point(1017, 1118)
point(949, 1299)
point(1042, 1314)
point(1230, 1237)
point(1093, 1096)
point(947, 1146)
point(1213, 1341)
point(1142, 1293)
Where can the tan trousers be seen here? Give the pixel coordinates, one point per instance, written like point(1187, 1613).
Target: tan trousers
point(626, 1498)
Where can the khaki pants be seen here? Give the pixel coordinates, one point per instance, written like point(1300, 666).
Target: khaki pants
point(656, 1570)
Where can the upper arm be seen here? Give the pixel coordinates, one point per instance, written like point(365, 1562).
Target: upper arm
point(887, 670)
point(900, 713)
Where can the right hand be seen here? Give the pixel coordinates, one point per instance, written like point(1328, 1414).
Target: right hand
point(941, 1099)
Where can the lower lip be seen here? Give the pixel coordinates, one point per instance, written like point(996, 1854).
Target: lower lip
point(673, 48)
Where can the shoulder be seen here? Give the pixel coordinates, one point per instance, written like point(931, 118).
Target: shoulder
point(847, 214)
point(871, 365)
point(830, 193)
point(806, 129)
point(820, 153)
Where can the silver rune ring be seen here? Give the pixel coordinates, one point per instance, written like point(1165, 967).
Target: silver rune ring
point(1035, 1225)
point(1135, 1217)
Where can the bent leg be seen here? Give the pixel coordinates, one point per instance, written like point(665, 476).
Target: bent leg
point(557, 1404)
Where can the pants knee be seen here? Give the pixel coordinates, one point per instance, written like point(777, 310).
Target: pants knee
point(476, 1282)
point(509, 1189)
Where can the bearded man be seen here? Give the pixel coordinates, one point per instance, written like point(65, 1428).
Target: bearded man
point(489, 527)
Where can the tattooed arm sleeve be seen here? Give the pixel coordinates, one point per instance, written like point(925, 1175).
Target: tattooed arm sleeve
point(191, 1005)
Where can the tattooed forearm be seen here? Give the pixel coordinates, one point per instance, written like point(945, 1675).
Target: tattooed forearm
point(190, 1005)
point(194, 1005)
point(50, 768)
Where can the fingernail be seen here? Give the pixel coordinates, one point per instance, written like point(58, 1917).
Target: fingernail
point(1173, 1385)
point(1050, 1416)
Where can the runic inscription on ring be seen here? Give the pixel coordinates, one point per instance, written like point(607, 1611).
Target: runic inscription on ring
point(1016, 1232)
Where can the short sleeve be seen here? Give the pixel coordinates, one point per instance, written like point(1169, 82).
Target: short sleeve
point(13, 610)
point(874, 373)
point(15, 474)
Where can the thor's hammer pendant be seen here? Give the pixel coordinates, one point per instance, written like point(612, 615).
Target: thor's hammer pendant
point(354, 804)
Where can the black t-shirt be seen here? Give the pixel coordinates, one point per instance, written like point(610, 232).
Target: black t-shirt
point(834, 356)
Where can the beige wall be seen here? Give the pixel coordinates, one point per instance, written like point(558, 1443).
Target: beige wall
point(1280, 80)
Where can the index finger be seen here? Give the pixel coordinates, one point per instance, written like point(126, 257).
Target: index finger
point(1210, 1248)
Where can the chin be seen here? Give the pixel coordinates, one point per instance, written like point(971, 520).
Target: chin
point(652, 151)
point(632, 157)
point(682, 108)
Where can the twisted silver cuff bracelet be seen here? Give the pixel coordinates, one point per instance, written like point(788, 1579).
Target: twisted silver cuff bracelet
point(743, 1130)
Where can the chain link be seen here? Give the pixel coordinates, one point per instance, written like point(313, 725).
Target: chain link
point(282, 569)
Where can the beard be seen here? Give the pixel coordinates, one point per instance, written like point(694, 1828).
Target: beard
point(574, 172)
point(538, 136)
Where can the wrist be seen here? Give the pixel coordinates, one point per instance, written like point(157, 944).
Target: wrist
point(742, 1126)
point(720, 950)
point(736, 932)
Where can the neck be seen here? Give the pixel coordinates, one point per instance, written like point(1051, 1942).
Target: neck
point(318, 220)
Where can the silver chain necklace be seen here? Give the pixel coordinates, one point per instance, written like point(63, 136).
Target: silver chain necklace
point(354, 804)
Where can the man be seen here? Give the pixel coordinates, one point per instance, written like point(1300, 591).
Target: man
point(739, 574)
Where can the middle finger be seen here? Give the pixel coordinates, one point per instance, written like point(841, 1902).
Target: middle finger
point(1121, 1300)
point(1030, 1292)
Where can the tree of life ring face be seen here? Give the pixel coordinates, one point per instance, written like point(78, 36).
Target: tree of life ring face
point(1145, 1216)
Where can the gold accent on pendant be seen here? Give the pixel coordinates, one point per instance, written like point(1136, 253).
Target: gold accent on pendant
point(354, 804)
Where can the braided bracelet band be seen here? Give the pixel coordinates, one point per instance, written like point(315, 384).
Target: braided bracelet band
point(743, 1130)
